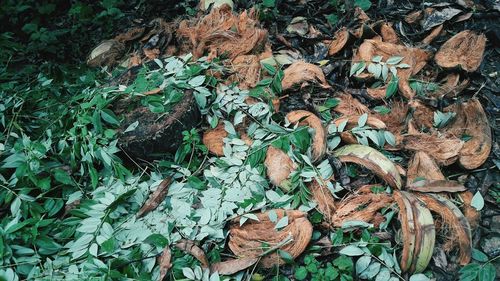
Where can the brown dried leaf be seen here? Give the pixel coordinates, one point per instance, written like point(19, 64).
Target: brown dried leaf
point(191, 248)
point(465, 49)
point(339, 41)
point(247, 240)
point(233, 266)
point(155, 198)
point(165, 263)
point(456, 227)
point(413, 17)
point(307, 118)
point(434, 33)
point(301, 72)
point(213, 139)
point(279, 166)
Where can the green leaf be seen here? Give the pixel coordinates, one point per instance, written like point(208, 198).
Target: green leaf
point(300, 273)
point(157, 240)
point(442, 119)
point(269, 68)
point(371, 271)
point(363, 4)
point(357, 67)
point(362, 120)
point(390, 138)
point(477, 201)
point(62, 176)
point(108, 116)
point(332, 19)
point(382, 109)
point(362, 263)
point(392, 87)
point(351, 251)
point(197, 81)
point(394, 60)
point(285, 256)
point(419, 277)
point(283, 222)
point(469, 272)
point(377, 59)
point(479, 256)
point(487, 272)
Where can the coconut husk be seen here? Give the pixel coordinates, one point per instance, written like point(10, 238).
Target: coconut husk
point(395, 122)
point(213, 139)
point(339, 41)
point(464, 50)
point(107, 53)
point(307, 118)
point(436, 186)
point(455, 226)
point(388, 33)
point(302, 73)
point(408, 232)
point(423, 166)
point(349, 105)
point(413, 17)
point(444, 150)
point(415, 58)
point(360, 207)
point(223, 32)
point(377, 93)
point(434, 33)
point(279, 166)
point(451, 86)
point(423, 116)
point(247, 71)
point(475, 151)
point(324, 198)
point(473, 216)
point(246, 241)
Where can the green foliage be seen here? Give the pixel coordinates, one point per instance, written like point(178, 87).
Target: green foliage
point(442, 119)
point(340, 268)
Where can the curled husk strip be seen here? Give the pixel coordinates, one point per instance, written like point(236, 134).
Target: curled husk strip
point(470, 212)
point(324, 198)
point(339, 41)
point(372, 160)
point(422, 165)
point(465, 49)
point(246, 241)
point(279, 166)
point(458, 226)
point(307, 118)
point(348, 105)
point(301, 72)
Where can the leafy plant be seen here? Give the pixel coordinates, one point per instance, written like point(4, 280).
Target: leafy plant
point(442, 119)
point(481, 270)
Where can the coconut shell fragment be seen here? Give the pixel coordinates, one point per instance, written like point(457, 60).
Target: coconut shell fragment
point(371, 159)
point(279, 166)
point(106, 54)
point(247, 241)
point(444, 150)
point(213, 139)
point(301, 72)
point(464, 50)
point(423, 166)
point(324, 198)
point(307, 118)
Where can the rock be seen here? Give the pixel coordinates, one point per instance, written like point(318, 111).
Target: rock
point(491, 245)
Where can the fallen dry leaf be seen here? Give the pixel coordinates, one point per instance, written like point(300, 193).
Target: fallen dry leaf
point(464, 50)
point(233, 266)
point(307, 118)
point(213, 139)
point(247, 240)
point(165, 263)
point(301, 72)
point(436, 186)
point(191, 248)
point(155, 198)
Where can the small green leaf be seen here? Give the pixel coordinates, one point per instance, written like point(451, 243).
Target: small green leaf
point(487, 272)
point(283, 222)
point(479, 256)
point(301, 273)
point(419, 277)
point(362, 263)
point(392, 87)
point(363, 4)
point(394, 60)
point(351, 251)
point(269, 68)
point(477, 201)
point(382, 109)
point(377, 59)
point(108, 116)
point(132, 127)
point(362, 120)
point(390, 138)
point(285, 256)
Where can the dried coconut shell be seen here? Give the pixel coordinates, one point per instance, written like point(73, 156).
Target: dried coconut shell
point(324, 198)
point(465, 49)
point(348, 105)
point(246, 241)
point(408, 232)
point(472, 214)
point(339, 41)
point(444, 150)
point(301, 72)
point(456, 227)
point(434, 33)
point(360, 207)
point(451, 86)
point(423, 116)
point(415, 58)
point(423, 166)
point(247, 71)
point(279, 167)
point(307, 118)
point(213, 139)
point(377, 93)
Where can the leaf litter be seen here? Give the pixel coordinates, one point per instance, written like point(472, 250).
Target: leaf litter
point(426, 204)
